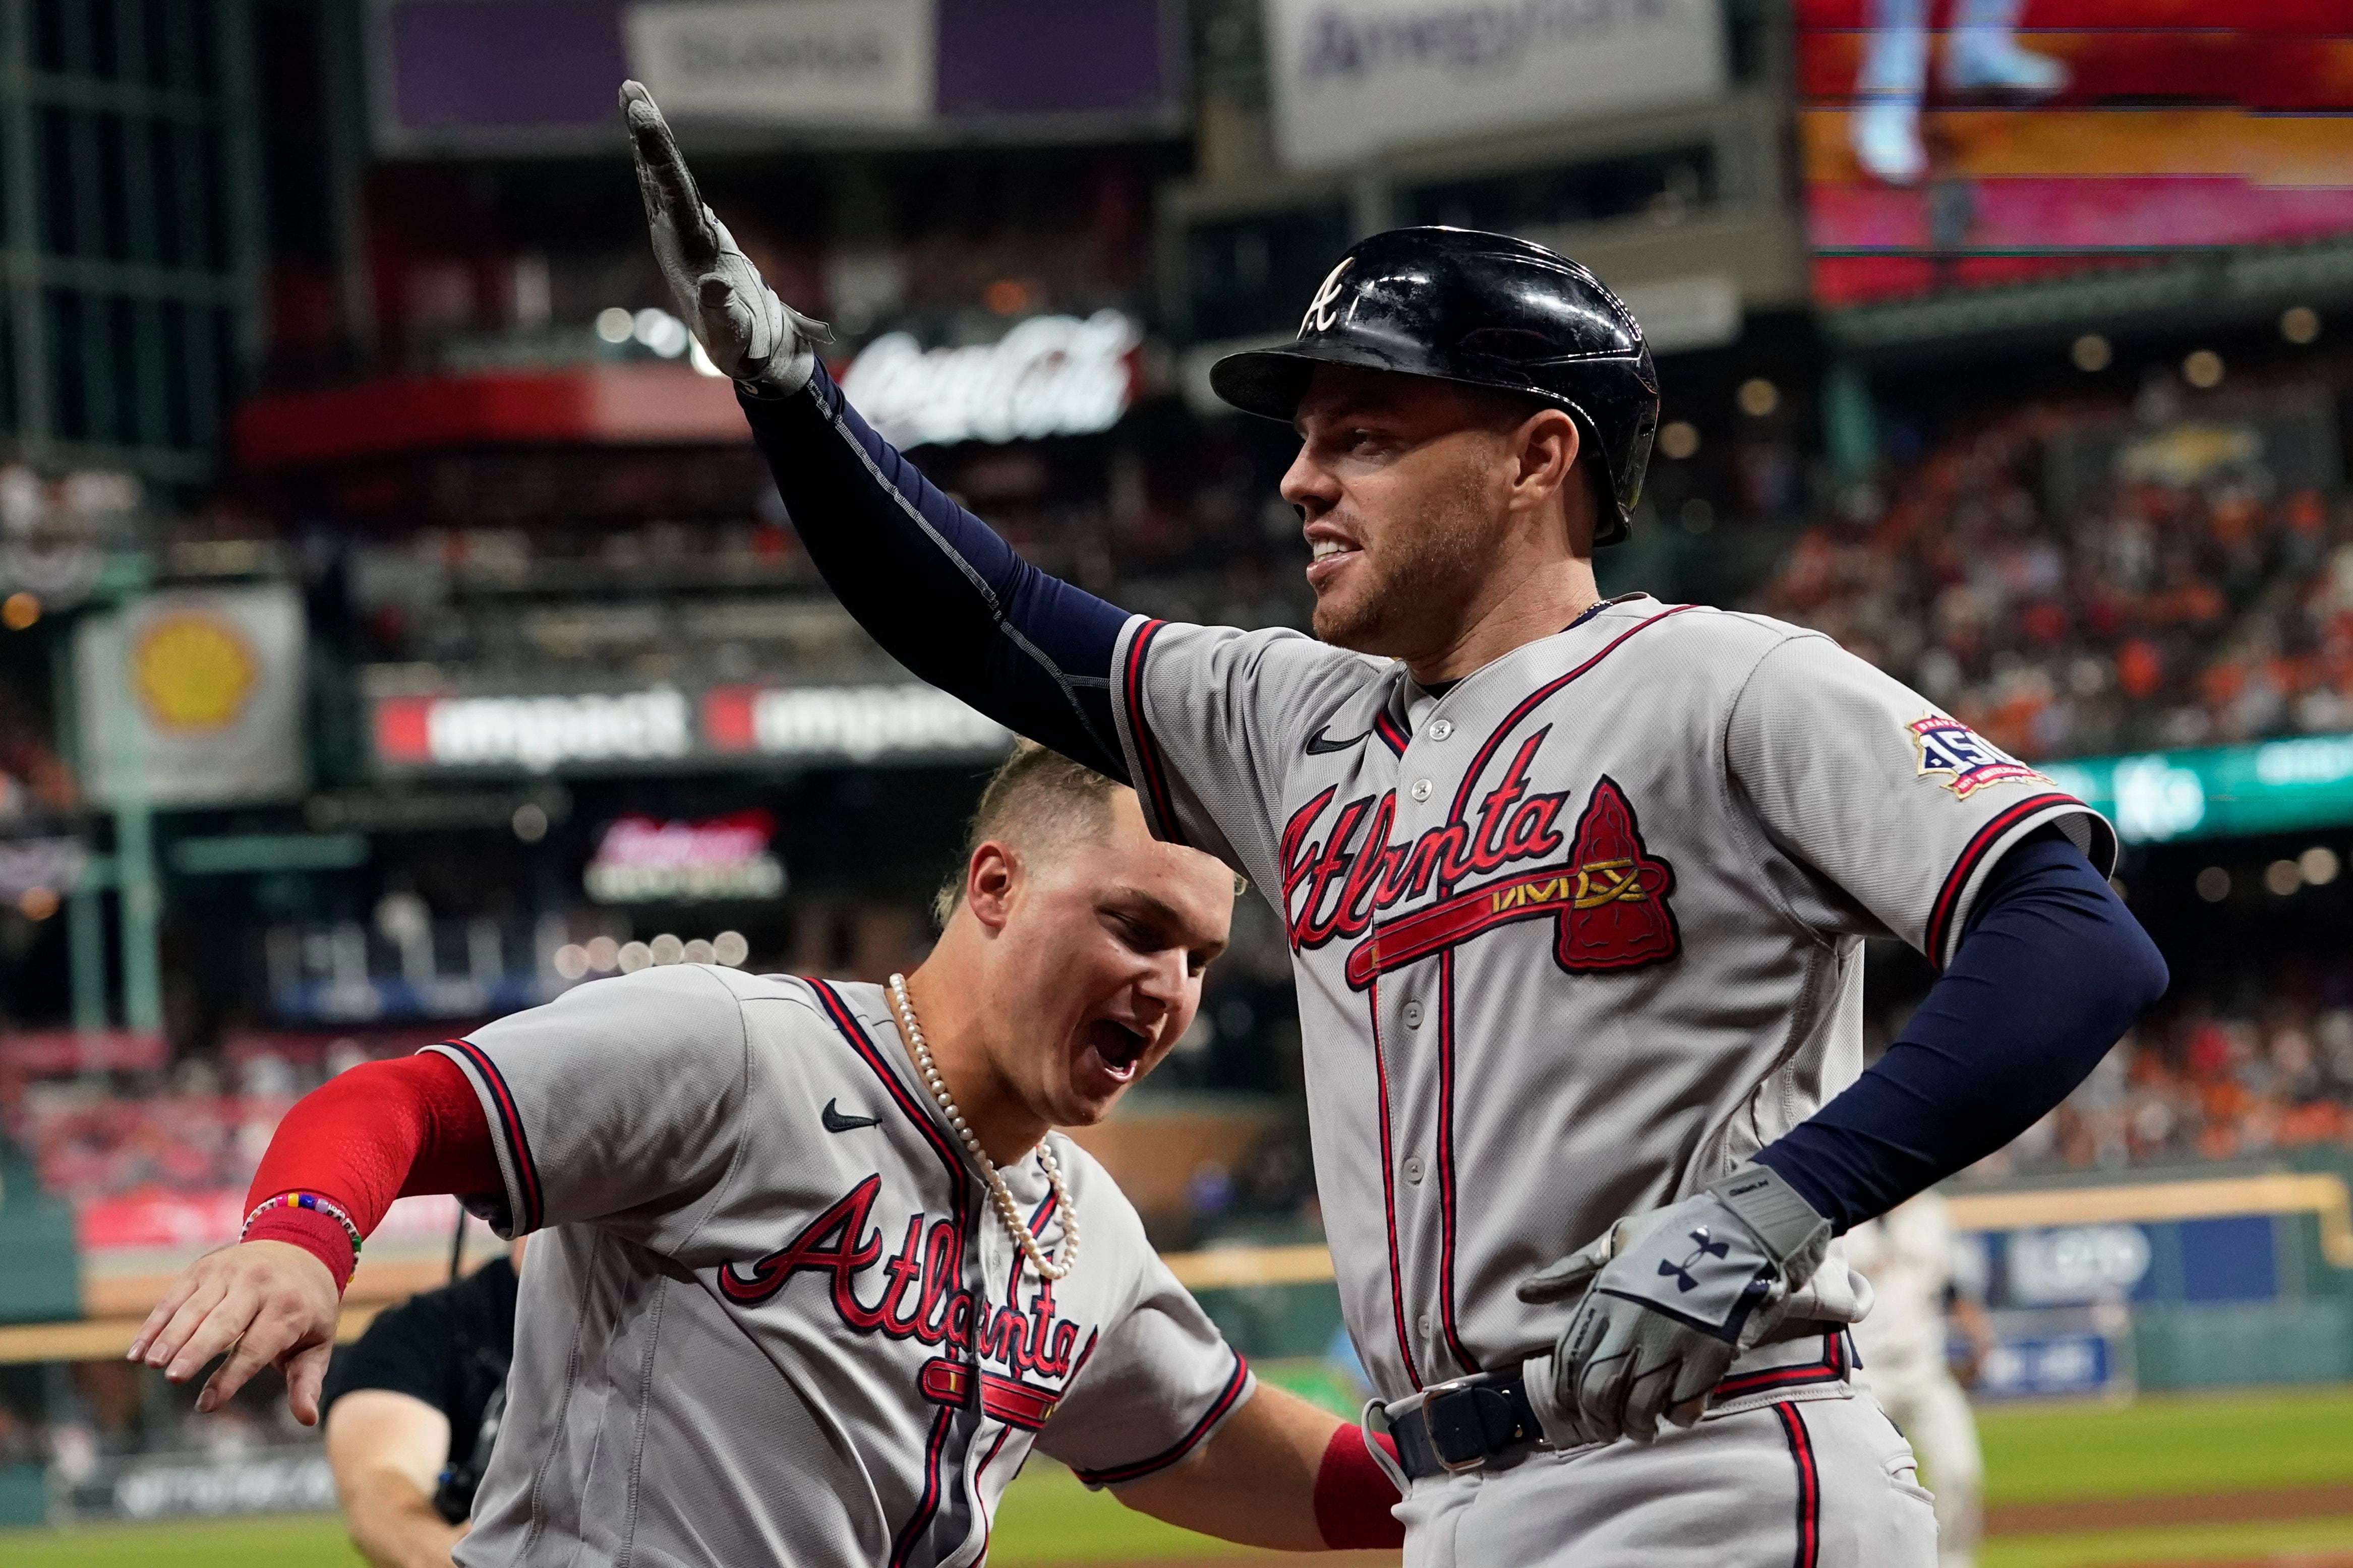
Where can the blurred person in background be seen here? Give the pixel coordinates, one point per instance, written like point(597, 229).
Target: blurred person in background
point(412, 1409)
point(1981, 59)
point(1916, 1300)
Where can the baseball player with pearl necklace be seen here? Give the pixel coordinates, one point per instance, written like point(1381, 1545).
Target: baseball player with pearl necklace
point(811, 1284)
point(1576, 891)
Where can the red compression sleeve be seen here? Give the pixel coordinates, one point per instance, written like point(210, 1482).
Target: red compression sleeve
point(382, 1131)
point(1354, 1495)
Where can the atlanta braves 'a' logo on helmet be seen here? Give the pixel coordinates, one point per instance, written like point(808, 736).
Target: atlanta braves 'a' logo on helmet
point(1321, 314)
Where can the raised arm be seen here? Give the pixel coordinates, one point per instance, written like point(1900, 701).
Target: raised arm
point(928, 580)
point(380, 1131)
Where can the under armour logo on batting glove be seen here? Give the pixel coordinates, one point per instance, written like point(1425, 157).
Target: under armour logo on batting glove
point(1666, 1300)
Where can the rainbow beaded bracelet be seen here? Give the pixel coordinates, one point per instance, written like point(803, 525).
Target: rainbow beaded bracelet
point(316, 1205)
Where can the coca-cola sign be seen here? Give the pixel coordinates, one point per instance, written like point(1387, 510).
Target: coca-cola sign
point(1051, 376)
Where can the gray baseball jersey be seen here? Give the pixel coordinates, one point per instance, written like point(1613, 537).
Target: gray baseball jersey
point(1573, 937)
point(775, 1317)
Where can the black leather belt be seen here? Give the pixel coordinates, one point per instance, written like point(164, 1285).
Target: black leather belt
point(1480, 1420)
point(1467, 1424)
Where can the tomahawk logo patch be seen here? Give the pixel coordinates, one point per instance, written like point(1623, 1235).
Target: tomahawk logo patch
point(1618, 916)
point(1968, 759)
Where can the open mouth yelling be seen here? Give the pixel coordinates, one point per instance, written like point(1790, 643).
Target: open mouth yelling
point(1116, 1047)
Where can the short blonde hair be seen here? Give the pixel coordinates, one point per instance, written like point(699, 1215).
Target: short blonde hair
point(1036, 796)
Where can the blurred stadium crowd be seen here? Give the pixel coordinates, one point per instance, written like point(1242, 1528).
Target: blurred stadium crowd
point(2195, 595)
point(2115, 548)
point(2197, 588)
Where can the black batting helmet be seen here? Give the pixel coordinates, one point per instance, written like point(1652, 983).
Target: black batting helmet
point(1484, 309)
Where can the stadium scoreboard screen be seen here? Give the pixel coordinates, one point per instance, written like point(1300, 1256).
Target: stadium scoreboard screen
point(1943, 151)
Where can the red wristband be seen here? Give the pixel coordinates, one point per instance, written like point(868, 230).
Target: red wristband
point(321, 1236)
point(1354, 1495)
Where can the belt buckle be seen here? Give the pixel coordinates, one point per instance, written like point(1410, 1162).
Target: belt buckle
point(1459, 1396)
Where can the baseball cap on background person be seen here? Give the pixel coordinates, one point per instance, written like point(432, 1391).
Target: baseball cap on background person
point(1479, 309)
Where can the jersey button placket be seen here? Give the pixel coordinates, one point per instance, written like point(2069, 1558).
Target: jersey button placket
point(1439, 728)
point(1412, 1015)
point(1421, 790)
point(1413, 1169)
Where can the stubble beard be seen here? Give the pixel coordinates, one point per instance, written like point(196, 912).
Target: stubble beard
point(1426, 570)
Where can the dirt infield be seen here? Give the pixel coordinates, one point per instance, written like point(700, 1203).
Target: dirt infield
point(2153, 1512)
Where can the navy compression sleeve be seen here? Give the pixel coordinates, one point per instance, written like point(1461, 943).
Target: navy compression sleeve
point(2052, 970)
point(931, 582)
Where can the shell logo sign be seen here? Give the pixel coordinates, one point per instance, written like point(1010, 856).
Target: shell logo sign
point(193, 672)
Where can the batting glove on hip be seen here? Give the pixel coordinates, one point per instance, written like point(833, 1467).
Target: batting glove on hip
point(1666, 1300)
point(749, 333)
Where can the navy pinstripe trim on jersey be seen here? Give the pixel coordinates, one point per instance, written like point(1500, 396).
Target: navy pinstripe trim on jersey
point(1462, 1357)
point(1833, 1368)
point(1037, 1227)
point(987, 1521)
point(847, 1023)
point(1080, 1365)
point(527, 1171)
point(1391, 732)
point(1810, 1487)
point(1937, 944)
point(1388, 1190)
point(919, 1523)
point(1154, 785)
point(1183, 1445)
point(1527, 705)
point(918, 1528)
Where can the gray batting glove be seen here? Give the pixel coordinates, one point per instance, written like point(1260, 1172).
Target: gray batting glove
point(749, 333)
point(1670, 1299)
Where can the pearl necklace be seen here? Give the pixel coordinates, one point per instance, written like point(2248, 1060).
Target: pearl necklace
point(1008, 1210)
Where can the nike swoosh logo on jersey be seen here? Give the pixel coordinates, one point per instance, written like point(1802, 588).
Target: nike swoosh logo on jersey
point(1317, 745)
point(835, 1121)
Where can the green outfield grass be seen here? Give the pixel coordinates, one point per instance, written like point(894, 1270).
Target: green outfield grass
point(2293, 1540)
point(2170, 1444)
point(306, 1541)
point(2158, 1446)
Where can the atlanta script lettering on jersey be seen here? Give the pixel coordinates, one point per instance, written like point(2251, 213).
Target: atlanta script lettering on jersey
point(921, 1298)
point(1345, 889)
point(1610, 896)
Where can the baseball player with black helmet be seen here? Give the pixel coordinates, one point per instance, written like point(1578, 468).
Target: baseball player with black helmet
point(1576, 888)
